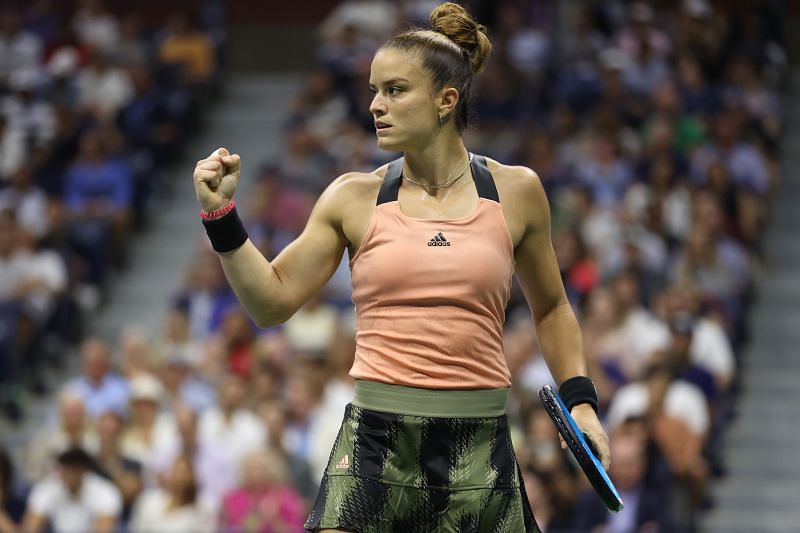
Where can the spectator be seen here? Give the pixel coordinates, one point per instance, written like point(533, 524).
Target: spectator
point(188, 48)
point(311, 330)
point(680, 423)
point(231, 423)
point(175, 508)
point(263, 502)
point(147, 120)
point(604, 172)
point(178, 341)
point(28, 202)
point(123, 471)
point(19, 50)
point(134, 353)
point(211, 463)
point(73, 430)
point(100, 388)
point(32, 116)
point(660, 394)
point(131, 48)
point(743, 160)
point(149, 430)
point(182, 385)
point(646, 507)
point(73, 498)
point(98, 192)
point(274, 414)
point(710, 347)
point(103, 89)
point(205, 297)
point(641, 333)
point(95, 25)
point(229, 430)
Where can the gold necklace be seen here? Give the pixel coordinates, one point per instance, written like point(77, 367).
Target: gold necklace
point(447, 183)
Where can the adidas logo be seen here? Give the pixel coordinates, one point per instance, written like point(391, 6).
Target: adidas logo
point(344, 463)
point(439, 240)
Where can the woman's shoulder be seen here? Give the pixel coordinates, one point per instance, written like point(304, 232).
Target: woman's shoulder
point(354, 187)
point(514, 177)
point(521, 195)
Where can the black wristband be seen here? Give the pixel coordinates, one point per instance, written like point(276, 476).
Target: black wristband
point(579, 389)
point(226, 233)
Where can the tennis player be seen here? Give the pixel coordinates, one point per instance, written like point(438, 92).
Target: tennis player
point(434, 239)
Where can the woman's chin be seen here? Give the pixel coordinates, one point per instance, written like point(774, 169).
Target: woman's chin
point(389, 145)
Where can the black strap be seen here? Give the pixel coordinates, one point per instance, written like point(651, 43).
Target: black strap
point(391, 182)
point(484, 182)
point(483, 179)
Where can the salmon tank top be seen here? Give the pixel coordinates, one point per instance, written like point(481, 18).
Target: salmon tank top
point(430, 295)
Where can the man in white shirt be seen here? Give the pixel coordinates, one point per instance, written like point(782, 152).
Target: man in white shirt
point(73, 499)
point(229, 431)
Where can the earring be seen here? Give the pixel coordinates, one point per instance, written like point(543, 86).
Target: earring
point(442, 119)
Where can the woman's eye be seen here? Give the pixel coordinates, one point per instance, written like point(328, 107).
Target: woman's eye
point(394, 90)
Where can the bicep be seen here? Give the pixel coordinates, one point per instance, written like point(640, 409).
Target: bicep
point(536, 265)
point(308, 262)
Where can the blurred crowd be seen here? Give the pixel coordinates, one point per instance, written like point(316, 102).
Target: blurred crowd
point(94, 108)
point(655, 128)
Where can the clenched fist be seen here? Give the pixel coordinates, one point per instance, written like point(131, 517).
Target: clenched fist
point(215, 179)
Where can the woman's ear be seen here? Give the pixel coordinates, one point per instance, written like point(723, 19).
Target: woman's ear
point(447, 103)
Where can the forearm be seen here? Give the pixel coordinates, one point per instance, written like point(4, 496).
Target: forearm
point(562, 343)
point(256, 284)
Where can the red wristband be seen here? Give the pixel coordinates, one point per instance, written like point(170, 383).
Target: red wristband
point(218, 213)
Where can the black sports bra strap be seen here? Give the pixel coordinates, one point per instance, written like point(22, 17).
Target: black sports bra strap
point(391, 182)
point(483, 179)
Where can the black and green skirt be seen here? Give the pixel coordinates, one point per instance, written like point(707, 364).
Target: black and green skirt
point(419, 460)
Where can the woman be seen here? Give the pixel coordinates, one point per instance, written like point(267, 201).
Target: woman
point(264, 502)
point(433, 239)
point(175, 508)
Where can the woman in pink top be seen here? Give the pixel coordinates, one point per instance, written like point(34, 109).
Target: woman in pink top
point(434, 239)
point(264, 503)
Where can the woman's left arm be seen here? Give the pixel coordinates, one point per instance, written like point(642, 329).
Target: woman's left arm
point(539, 276)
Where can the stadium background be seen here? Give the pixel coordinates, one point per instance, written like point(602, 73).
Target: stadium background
point(656, 128)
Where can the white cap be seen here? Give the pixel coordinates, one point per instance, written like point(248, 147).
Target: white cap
point(146, 387)
point(63, 63)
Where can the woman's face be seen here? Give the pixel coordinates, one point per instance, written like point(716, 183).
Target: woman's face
point(404, 106)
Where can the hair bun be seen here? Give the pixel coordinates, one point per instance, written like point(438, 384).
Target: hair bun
point(454, 22)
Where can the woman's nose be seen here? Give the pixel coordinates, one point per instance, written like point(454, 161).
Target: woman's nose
point(377, 106)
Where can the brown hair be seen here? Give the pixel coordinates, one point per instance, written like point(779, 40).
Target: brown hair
point(453, 51)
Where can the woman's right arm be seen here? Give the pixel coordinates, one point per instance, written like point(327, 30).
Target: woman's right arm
point(272, 292)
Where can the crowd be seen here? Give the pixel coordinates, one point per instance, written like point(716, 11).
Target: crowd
point(95, 108)
point(655, 128)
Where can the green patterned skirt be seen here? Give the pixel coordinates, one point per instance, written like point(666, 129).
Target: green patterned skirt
point(423, 461)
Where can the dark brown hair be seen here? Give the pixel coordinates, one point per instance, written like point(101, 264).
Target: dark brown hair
point(453, 51)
